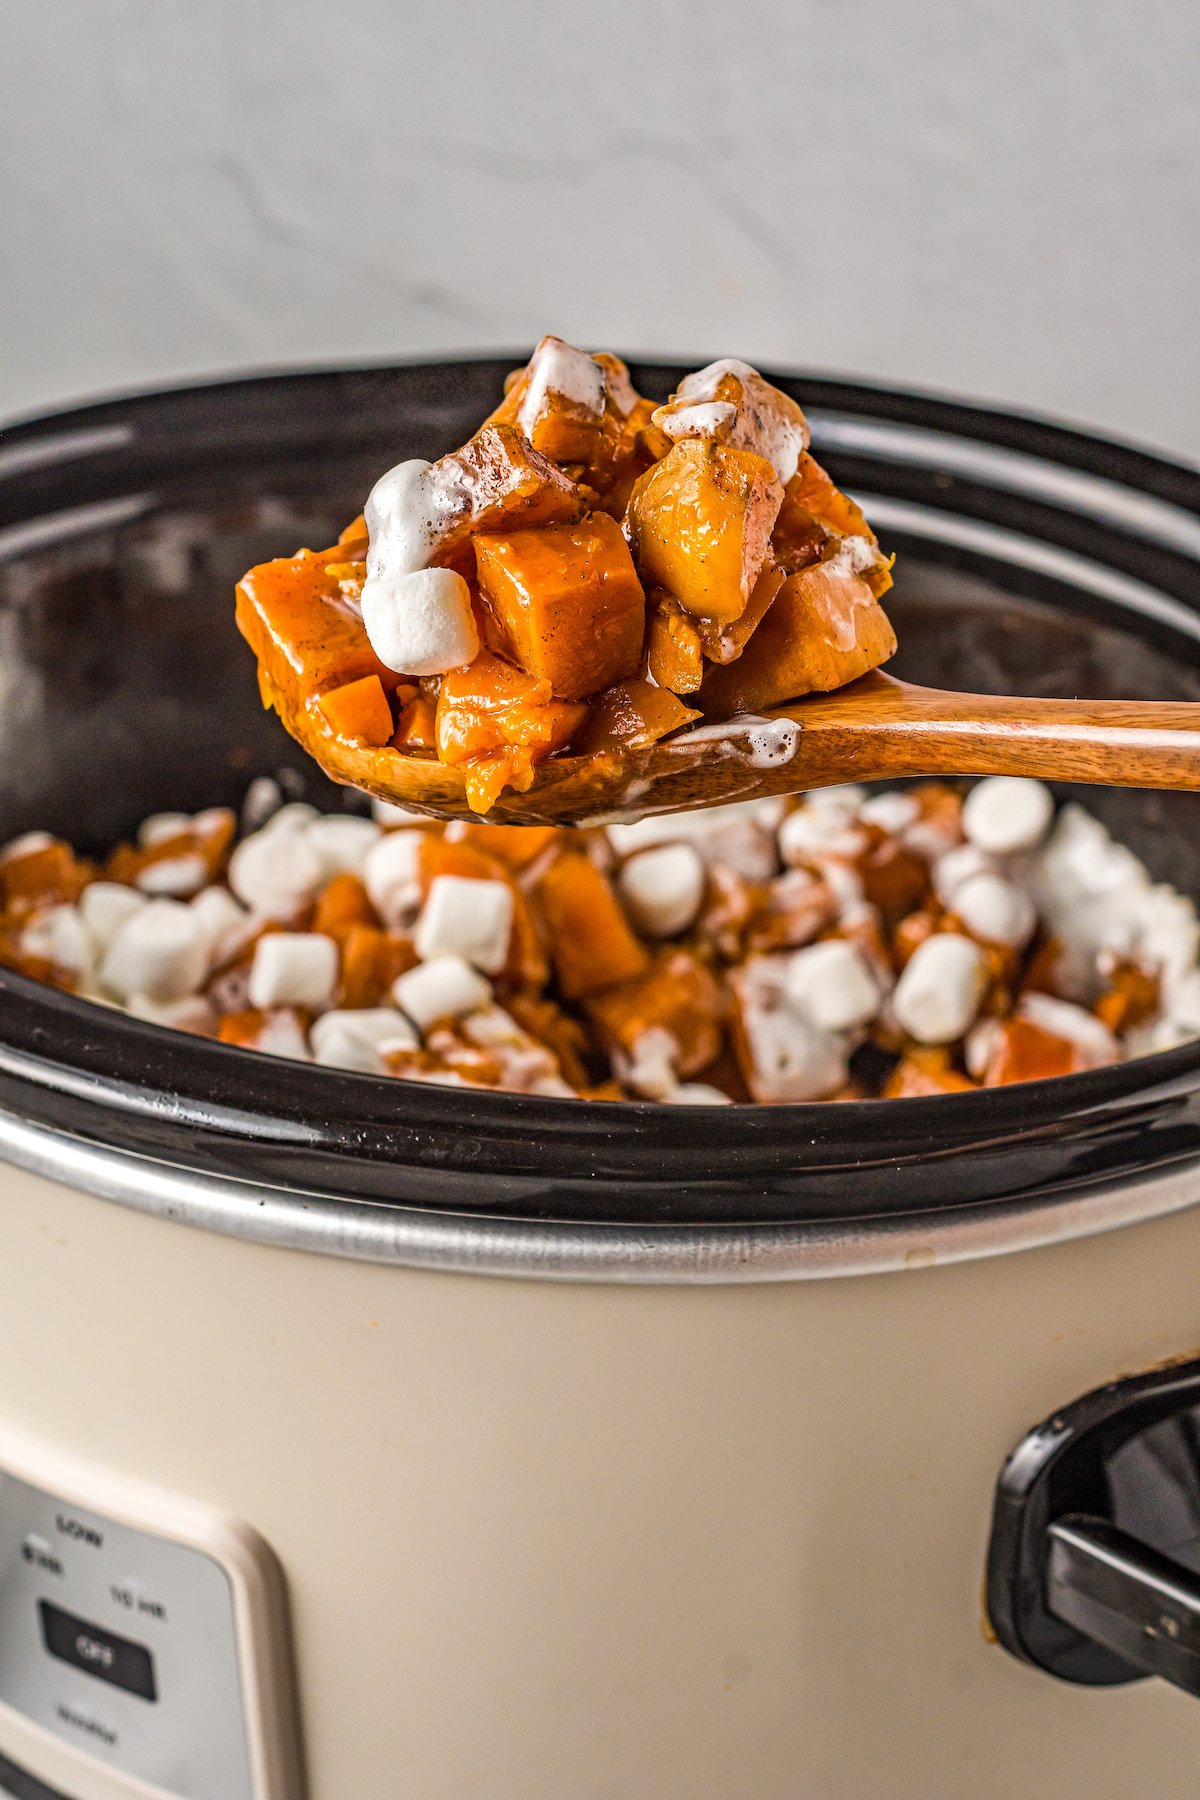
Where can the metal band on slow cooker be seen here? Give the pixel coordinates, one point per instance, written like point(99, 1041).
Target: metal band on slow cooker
point(365, 1232)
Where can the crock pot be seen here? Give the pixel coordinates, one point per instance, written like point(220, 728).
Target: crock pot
point(302, 1493)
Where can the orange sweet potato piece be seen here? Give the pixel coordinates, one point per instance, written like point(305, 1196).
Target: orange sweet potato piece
point(359, 710)
point(1024, 1051)
point(371, 961)
point(591, 944)
point(43, 877)
point(1131, 998)
point(516, 846)
point(725, 643)
point(564, 603)
point(503, 484)
point(674, 650)
point(824, 629)
point(923, 1072)
point(629, 716)
point(701, 521)
point(416, 728)
point(342, 904)
point(499, 722)
point(292, 614)
point(679, 995)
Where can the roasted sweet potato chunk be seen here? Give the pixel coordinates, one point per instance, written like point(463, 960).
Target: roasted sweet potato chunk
point(823, 629)
point(701, 521)
point(677, 995)
point(629, 716)
point(359, 709)
point(499, 482)
point(564, 603)
point(499, 721)
point(591, 943)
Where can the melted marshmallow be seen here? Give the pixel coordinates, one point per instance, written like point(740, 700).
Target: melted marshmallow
point(569, 374)
point(768, 422)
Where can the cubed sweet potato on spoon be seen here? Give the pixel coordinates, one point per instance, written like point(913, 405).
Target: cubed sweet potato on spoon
point(701, 521)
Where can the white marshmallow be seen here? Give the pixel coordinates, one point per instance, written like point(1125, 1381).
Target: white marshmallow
point(812, 831)
point(663, 889)
point(696, 418)
point(791, 1060)
point(179, 877)
point(846, 798)
point(61, 937)
point(276, 871)
point(282, 1034)
point(444, 988)
point(995, 911)
point(104, 907)
point(293, 968)
point(467, 918)
point(1006, 813)
point(160, 951)
point(222, 921)
point(296, 815)
point(559, 368)
point(696, 1093)
point(193, 1013)
point(831, 986)
point(405, 515)
point(28, 844)
point(939, 993)
point(391, 874)
point(263, 799)
point(957, 866)
point(525, 1063)
point(161, 826)
point(891, 811)
point(980, 1042)
point(1182, 1006)
point(341, 841)
point(420, 622)
point(1090, 1036)
point(651, 1067)
point(768, 422)
point(1167, 933)
point(358, 1039)
point(739, 835)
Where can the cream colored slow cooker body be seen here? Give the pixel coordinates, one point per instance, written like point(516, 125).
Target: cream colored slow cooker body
point(657, 1541)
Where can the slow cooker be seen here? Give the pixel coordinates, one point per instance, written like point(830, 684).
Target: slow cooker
point(362, 1440)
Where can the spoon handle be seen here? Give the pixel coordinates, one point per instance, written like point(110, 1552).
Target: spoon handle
point(882, 727)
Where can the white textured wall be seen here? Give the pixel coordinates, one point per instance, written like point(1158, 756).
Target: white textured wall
point(1002, 200)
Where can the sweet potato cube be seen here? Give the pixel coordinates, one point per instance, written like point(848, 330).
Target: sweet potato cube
point(702, 521)
point(673, 647)
point(565, 603)
point(591, 944)
point(629, 716)
point(824, 628)
point(359, 710)
point(292, 614)
point(502, 483)
point(678, 995)
point(725, 643)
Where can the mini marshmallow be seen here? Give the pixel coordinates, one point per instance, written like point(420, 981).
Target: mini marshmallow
point(160, 951)
point(739, 835)
point(420, 622)
point(663, 889)
point(341, 841)
point(193, 1013)
point(891, 811)
point(696, 418)
point(221, 919)
point(846, 798)
point(179, 877)
point(560, 369)
point(962, 864)
point(938, 995)
point(28, 844)
point(978, 1046)
point(391, 873)
point(405, 516)
point(1006, 813)
point(446, 987)
point(276, 871)
point(791, 1060)
point(696, 1093)
point(995, 911)
point(104, 907)
point(1167, 933)
point(831, 986)
point(811, 831)
point(651, 1066)
point(161, 826)
point(467, 918)
point(61, 937)
point(1090, 1036)
point(263, 799)
point(293, 968)
point(296, 815)
point(358, 1039)
point(1183, 1003)
point(282, 1034)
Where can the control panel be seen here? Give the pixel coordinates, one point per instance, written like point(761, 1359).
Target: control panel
point(144, 1633)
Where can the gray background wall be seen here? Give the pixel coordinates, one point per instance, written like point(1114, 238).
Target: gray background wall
point(1001, 200)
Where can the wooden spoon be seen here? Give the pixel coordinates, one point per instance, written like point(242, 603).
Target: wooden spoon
point(875, 728)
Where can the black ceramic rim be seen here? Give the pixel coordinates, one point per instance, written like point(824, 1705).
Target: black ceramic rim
point(89, 1071)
